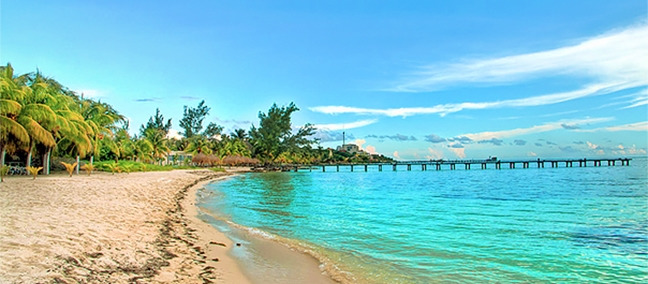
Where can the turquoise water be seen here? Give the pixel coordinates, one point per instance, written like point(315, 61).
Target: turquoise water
point(510, 225)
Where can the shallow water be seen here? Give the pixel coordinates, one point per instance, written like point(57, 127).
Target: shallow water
point(565, 224)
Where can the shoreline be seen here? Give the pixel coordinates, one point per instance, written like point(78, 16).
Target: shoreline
point(104, 228)
point(262, 259)
point(215, 243)
point(142, 227)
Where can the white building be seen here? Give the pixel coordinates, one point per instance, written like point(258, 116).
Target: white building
point(350, 148)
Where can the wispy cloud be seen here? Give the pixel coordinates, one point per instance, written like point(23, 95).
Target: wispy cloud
point(617, 56)
point(396, 137)
point(637, 126)
point(348, 125)
point(146, 100)
point(519, 142)
point(444, 109)
point(331, 136)
point(638, 99)
point(433, 138)
point(233, 121)
point(488, 135)
point(190, 98)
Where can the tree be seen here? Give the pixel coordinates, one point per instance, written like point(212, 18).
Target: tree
point(212, 130)
point(192, 119)
point(239, 134)
point(101, 117)
point(13, 135)
point(274, 135)
point(158, 143)
point(156, 122)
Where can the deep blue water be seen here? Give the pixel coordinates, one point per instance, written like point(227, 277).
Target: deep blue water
point(560, 225)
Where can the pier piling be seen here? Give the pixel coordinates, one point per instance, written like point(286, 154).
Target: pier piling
point(569, 163)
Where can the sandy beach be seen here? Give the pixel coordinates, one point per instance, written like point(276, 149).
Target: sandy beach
point(104, 228)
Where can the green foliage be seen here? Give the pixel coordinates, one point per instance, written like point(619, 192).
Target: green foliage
point(274, 135)
point(110, 166)
point(192, 119)
point(217, 169)
point(156, 122)
point(4, 170)
point(88, 168)
point(130, 166)
point(126, 168)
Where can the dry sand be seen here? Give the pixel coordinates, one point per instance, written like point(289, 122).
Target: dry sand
point(123, 228)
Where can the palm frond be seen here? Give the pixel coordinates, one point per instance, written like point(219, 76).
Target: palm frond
point(9, 107)
point(36, 131)
point(10, 126)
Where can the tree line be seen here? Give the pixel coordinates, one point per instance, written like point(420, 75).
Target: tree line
point(40, 119)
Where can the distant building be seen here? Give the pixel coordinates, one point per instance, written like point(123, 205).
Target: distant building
point(177, 157)
point(350, 148)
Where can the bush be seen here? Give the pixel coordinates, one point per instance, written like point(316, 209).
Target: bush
point(130, 166)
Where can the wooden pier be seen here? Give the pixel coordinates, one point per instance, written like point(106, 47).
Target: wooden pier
point(467, 164)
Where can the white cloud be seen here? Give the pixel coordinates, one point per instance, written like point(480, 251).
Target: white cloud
point(396, 155)
point(349, 125)
point(459, 152)
point(592, 146)
point(639, 99)
point(444, 109)
point(434, 154)
point(360, 142)
point(616, 56)
point(90, 93)
point(371, 149)
point(532, 154)
point(637, 126)
point(622, 150)
point(486, 135)
point(174, 134)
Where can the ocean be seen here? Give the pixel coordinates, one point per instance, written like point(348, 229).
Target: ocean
point(561, 224)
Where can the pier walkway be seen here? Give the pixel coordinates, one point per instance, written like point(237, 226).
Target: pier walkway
point(467, 164)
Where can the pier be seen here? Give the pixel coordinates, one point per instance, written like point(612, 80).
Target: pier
point(465, 164)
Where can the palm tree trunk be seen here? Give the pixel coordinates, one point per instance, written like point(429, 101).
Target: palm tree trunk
point(77, 165)
point(29, 155)
point(44, 160)
point(2, 155)
point(91, 159)
point(49, 156)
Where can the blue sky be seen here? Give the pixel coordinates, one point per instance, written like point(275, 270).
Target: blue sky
point(408, 79)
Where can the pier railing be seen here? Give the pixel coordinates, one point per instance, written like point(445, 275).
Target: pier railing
point(452, 164)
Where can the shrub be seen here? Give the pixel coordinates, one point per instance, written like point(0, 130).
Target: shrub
point(88, 168)
point(4, 170)
point(69, 167)
point(34, 171)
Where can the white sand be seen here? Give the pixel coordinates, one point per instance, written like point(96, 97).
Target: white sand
point(105, 228)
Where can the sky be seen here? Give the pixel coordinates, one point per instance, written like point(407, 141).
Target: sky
point(411, 80)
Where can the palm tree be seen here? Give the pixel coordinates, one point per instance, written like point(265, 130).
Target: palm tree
point(125, 145)
point(143, 150)
point(102, 118)
point(199, 144)
point(35, 115)
point(239, 134)
point(158, 141)
point(12, 134)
